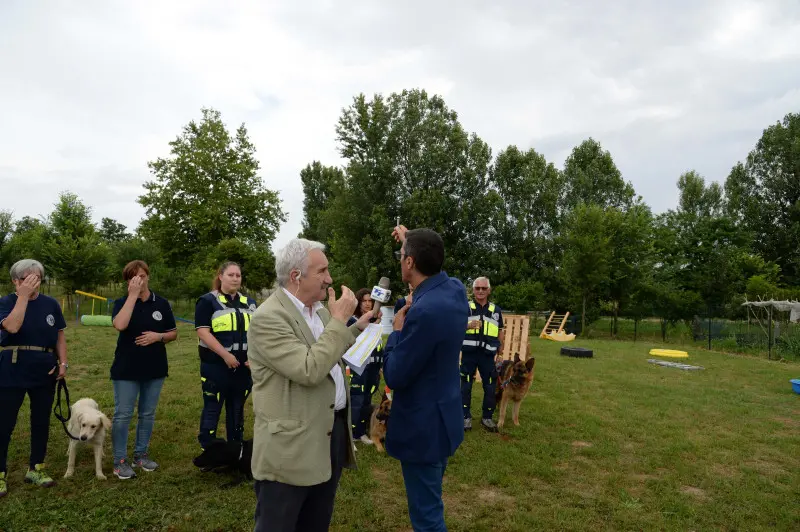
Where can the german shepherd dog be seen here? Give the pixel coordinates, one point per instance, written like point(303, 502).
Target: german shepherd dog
point(513, 382)
point(377, 422)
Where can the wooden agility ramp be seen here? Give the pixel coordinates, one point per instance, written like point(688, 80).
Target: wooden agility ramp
point(554, 328)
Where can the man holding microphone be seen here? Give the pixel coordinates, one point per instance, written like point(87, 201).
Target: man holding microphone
point(421, 367)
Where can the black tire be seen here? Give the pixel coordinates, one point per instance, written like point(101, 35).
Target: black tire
point(577, 352)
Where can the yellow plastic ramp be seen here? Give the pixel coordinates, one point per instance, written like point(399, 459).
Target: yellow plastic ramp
point(669, 353)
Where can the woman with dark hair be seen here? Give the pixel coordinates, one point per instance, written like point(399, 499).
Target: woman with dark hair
point(363, 386)
point(146, 324)
point(222, 318)
point(33, 355)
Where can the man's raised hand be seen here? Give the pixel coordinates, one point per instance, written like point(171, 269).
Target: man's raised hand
point(342, 309)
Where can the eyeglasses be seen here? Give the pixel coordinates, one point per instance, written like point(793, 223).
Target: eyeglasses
point(480, 287)
point(399, 255)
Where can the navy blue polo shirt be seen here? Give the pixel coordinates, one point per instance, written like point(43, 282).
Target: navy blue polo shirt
point(40, 326)
point(140, 363)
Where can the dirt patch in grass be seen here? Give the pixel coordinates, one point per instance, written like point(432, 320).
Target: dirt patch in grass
point(724, 471)
point(694, 492)
point(492, 495)
point(789, 422)
point(764, 467)
point(581, 444)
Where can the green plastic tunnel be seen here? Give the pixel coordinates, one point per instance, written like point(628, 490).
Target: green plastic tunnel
point(99, 320)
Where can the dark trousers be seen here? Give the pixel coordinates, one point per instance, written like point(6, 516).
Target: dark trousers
point(222, 385)
point(424, 493)
point(362, 387)
point(286, 508)
point(483, 362)
point(41, 401)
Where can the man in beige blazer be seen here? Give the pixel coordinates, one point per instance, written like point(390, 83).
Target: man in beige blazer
point(302, 437)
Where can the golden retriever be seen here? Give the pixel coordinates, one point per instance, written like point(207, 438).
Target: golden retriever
point(89, 425)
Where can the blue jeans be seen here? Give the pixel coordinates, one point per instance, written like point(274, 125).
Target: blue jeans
point(424, 493)
point(125, 395)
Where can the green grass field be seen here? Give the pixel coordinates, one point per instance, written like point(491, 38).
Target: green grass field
point(609, 443)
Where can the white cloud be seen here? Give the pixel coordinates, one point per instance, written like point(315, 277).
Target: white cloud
point(91, 91)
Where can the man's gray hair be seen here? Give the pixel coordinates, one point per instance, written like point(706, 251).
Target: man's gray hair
point(21, 268)
point(482, 279)
point(294, 256)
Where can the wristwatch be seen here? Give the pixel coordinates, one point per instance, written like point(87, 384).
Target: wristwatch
point(162, 338)
point(66, 366)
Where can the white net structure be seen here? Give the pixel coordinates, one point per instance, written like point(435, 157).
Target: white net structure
point(792, 307)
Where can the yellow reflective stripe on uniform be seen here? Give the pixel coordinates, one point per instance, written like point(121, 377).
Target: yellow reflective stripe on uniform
point(222, 324)
point(243, 300)
point(223, 320)
point(491, 329)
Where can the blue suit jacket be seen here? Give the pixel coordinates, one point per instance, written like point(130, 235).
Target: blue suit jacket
point(421, 367)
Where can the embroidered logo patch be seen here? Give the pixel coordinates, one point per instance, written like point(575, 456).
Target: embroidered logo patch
point(253, 306)
point(51, 320)
point(495, 316)
point(157, 316)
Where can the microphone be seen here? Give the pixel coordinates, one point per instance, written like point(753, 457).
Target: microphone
point(380, 295)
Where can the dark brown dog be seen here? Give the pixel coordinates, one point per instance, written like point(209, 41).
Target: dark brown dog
point(378, 421)
point(513, 382)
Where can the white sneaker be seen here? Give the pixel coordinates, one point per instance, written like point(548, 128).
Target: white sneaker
point(366, 440)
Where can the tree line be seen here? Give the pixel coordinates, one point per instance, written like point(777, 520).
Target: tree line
point(577, 238)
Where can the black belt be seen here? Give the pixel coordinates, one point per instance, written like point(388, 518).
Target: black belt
point(15, 348)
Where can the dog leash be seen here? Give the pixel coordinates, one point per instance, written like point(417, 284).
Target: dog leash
point(58, 411)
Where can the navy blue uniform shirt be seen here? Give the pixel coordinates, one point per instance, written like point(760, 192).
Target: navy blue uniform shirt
point(40, 326)
point(140, 363)
point(204, 310)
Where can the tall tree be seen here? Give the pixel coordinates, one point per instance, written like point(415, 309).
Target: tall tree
point(112, 231)
point(702, 246)
point(408, 157)
point(529, 189)
point(206, 191)
point(764, 195)
point(320, 185)
point(27, 241)
point(586, 259)
point(630, 254)
point(591, 177)
point(6, 231)
point(74, 253)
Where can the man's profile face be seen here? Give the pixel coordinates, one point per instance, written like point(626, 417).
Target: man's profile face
point(314, 284)
point(406, 263)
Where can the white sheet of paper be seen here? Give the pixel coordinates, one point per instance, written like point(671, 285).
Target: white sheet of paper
point(357, 357)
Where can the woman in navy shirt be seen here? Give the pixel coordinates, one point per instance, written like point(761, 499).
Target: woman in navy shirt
point(33, 355)
point(145, 323)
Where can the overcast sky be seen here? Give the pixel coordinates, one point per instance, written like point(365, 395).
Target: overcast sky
point(92, 90)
